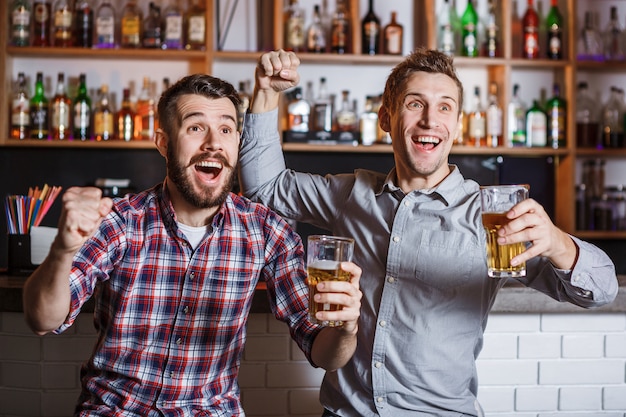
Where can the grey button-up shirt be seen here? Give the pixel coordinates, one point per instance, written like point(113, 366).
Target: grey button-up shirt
point(426, 294)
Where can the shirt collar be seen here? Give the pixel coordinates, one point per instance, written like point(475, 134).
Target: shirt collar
point(447, 189)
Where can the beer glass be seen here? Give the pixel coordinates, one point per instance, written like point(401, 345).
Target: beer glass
point(324, 257)
point(496, 201)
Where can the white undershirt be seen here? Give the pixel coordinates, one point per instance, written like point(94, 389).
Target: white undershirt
point(193, 234)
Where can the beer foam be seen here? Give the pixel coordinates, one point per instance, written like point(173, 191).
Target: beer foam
point(326, 264)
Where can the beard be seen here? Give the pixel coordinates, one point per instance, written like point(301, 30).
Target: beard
point(206, 197)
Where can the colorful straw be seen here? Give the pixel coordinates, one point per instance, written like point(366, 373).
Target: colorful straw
point(25, 211)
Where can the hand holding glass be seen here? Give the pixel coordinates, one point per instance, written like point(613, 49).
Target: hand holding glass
point(324, 257)
point(496, 201)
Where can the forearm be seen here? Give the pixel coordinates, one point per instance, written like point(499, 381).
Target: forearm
point(46, 295)
point(333, 347)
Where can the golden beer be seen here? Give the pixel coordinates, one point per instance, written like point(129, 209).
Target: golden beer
point(324, 270)
point(499, 256)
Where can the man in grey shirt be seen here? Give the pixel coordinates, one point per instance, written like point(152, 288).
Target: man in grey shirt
point(419, 240)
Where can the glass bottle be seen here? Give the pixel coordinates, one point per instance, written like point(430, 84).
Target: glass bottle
point(530, 28)
point(494, 118)
point(612, 117)
point(82, 110)
point(103, 116)
point(477, 121)
point(368, 122)
point(173, 26)
point(106, 25)
point(20, 23)
point(554, 29)
point(612, 38)
point(469, 23)
point(457, 26)
point(370, 32)
point(131, 22)
point(244, 104)
point(61, 108)
point(590, 46)
point(556, 108)
point(195, 26)
point(445, 37)
point(587, 127)
point(516, 31)
point(20, 112)
point(39, 115)
point(151, 34)
point(298, 111)
point(42, 16)
point(346, 119)
point(323, 109)
point(393, 36)
point(83, 26)
point(145, 112)
point(63, 24)
point(491, 47)
point(315, 36)
point(516, 120)
point(294, 27)
point(125, 118)
point(340, 37)
point(536, 126)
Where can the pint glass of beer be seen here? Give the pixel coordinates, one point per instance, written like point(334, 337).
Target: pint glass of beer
point(496, 201)
point(324, 257)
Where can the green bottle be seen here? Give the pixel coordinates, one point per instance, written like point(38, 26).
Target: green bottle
point(536, 126)
point(557, 112)
point(82, 111)
point(554, 29)
point(39, 114)
point(469, 23)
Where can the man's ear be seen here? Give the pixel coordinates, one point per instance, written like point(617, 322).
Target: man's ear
point(161, 142)
point(383, 119)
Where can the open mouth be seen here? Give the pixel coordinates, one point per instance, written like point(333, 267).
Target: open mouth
point(209, 169)
point(427, 143)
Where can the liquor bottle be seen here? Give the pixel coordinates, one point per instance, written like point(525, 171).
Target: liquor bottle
point(541, 34)
point(491, 47)
point(106, 26)
point(244, 104)
point(145, 116)
point(195, 26)
point(477, 123)
point(340, 32)
point(323, 109)
point(173, 22)
point(151, 34)
point(370, 32)
point(103, 116)
point(393, 36)
point(125, 118)
point(494, 118)
point(612, 38)
point(82, 110)
point(62, 27)
point(556, 108)
point(457, 26)
point(368, 122)
point(554, 29)
point(131, 21)
point(20, 112)
point(590, 46)
point(612, 119)
point(516, 30)
point(315, 35)
point(39, 115)
point(83, 27)
point(587, 127)
point(20, 23)
point(469, 23)
point(516, 120)
point(346, 119)
point(42, 12)
point(536, 126)
point(298, 111)
point(61, 109)
point(294, 27)
point(530, 27)
point(445, 38)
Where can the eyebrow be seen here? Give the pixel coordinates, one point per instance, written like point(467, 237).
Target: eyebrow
point(420, 95)
point(200, 114)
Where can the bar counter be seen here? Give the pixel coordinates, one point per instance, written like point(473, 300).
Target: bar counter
point(512, 298)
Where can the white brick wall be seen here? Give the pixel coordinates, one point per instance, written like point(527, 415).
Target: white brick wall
point(532, 365)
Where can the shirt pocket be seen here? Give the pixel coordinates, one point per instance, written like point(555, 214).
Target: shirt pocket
point(448, 259)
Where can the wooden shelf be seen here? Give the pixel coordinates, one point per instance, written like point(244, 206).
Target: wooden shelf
point(113, 53)
point(92, 144)
point(600, 235)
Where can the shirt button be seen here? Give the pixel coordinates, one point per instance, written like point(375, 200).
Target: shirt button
point(382, 323)
point(576, 279)
point(378, 365)
point(406, 204)
point(396, 239)
point(379, 399)
point(186, 309)
point(192, 275)
point(391, 280)
point(179, 341)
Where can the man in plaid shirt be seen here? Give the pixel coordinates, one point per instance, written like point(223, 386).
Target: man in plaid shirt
point(173, 270)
